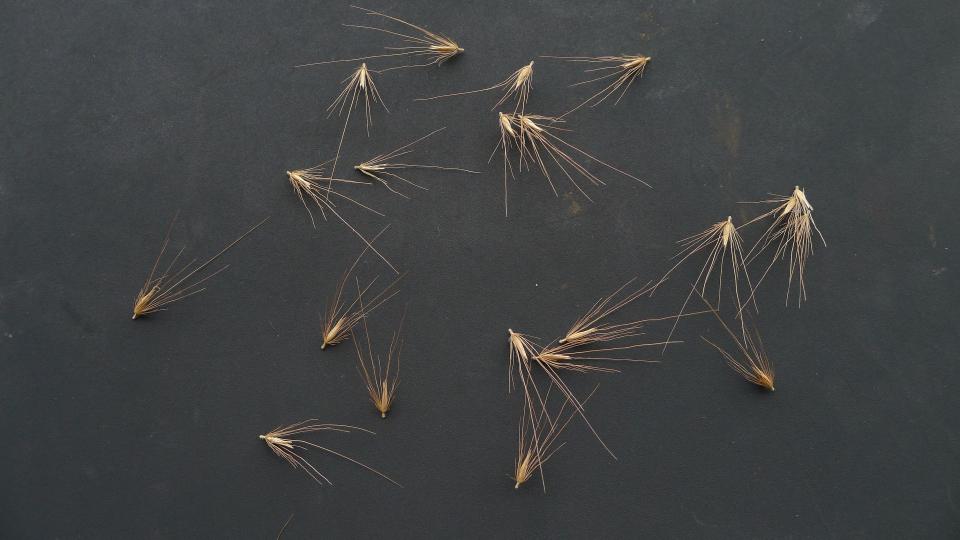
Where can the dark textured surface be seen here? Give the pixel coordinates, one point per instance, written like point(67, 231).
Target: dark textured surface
point(117, 114)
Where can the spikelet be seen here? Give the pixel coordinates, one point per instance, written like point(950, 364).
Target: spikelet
point(283, 442)
point(624, 69)
point(422, 43)
point(161, 290)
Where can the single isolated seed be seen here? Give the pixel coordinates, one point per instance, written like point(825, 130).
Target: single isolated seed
point(755, 366)
point(518, 84)
point(592, 326)
point(283, 441)
point(522, 349)
point(357, 84)
point(509, 138)
point(380, 377)
point(624, 69)
point(422, 43)
point(524, 353)
point(569, 356)
point(537, 439)
point(169, 286)
point(791, 233)
point(380, 167)
point(340, 318)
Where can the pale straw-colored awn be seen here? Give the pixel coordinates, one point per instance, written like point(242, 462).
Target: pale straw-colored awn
point(381, 378)
point(381, 167)
point(624, 68)
point(791, 232)
point(722, 243)
point(284, 442)
point(161, 290)
point(340, 318)
point(518, 84)
point(438, 48)
point(313, 185)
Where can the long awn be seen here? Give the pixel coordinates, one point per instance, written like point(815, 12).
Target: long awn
point(722, 243)
point(283, 441)
point(380, 378)
point(756, 366)
point(438, 48)
point(792, 233)
point(340, 318)
point(169, 286)
point(311, 184)
point(537, 437)
point(379, 167)
point(518, 84)
point(537, 142)
point(623, 68)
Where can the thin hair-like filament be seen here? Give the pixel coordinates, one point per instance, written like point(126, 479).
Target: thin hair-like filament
point(518, 84)
point(380, 167)
point(340, 318)
point(169, 286)
point(624, 69)
point(422, 43)
point(283, 441)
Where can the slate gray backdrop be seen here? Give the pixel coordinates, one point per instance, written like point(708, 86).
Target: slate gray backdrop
point(117, 114)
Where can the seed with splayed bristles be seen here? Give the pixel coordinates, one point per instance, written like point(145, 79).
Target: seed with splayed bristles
point(624, 69)
point(755, 366)
point(720, 242)
point(517, 84)
point(537, 143)
point(341, 317)
point(380, 167)
point(169, 286)
point(791, 232)
point(380, 377)
point(436, 47)
point(282, 441)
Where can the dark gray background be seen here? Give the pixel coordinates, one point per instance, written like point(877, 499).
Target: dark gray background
point(115, 115)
